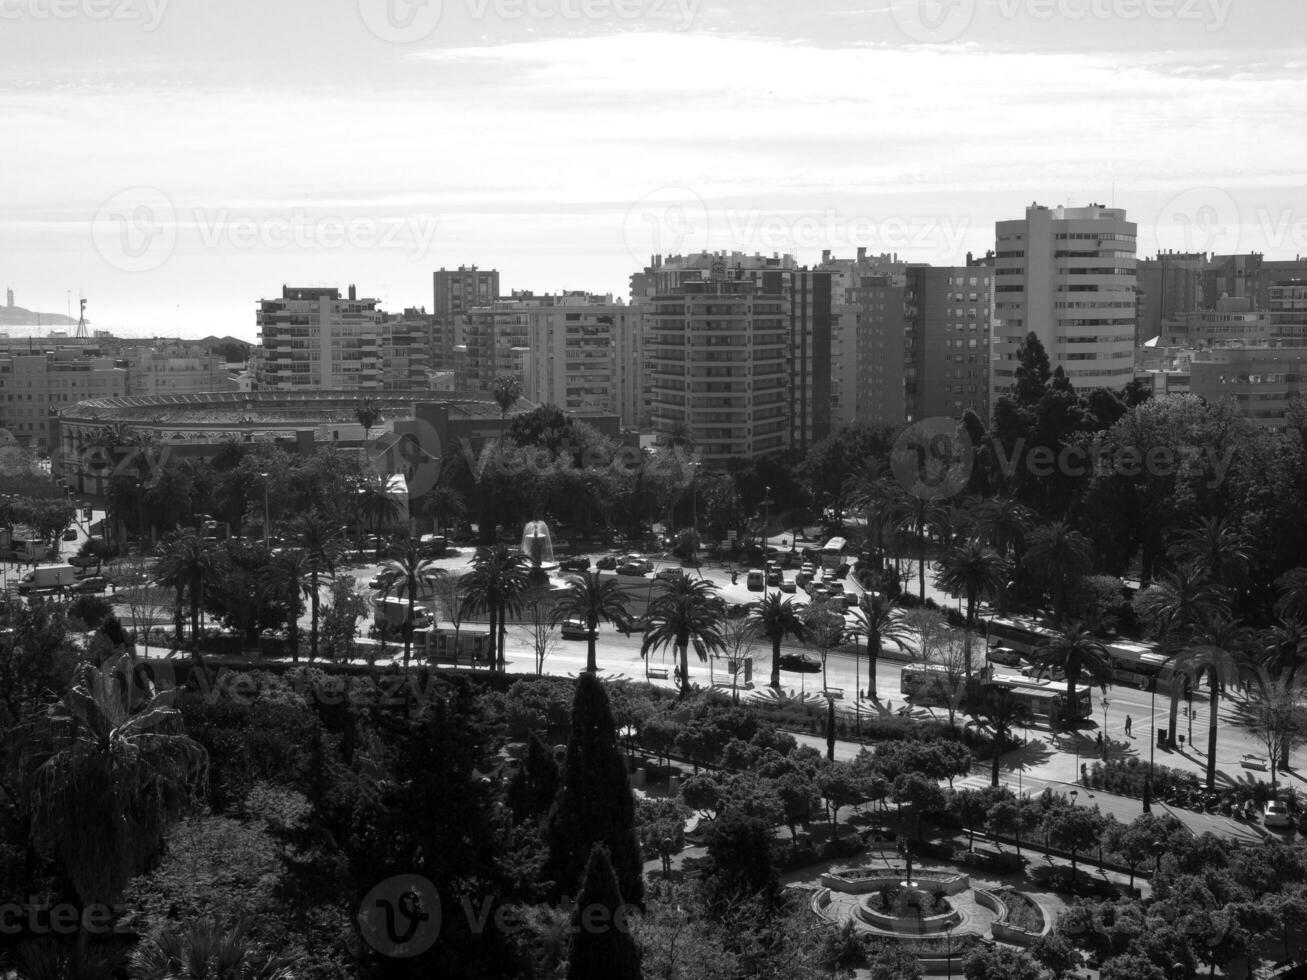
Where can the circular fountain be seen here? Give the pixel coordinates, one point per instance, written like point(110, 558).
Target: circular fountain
point(538, 545)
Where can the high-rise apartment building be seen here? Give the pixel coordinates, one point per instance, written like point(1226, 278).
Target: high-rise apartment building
point(583, 355)
point(716, 354)
point(1068, 276)
point(810, 297)
point(1167, 286)
point(1287, 310)
point(314, 338)
point(947, 317)
point(455, 293)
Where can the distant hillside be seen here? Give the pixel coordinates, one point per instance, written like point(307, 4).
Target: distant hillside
point(17, 316)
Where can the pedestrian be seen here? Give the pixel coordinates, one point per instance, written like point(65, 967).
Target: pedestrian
point(1127, 727)
point(1100, 742)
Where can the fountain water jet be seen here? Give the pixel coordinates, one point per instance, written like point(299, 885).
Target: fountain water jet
point(538, 545)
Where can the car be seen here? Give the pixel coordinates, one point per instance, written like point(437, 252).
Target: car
point(581, 564)
point(84, 561)
point(774, 577)
point(800, 663)
point(632, 624)
point(70, 534)
point(1276, 814)
point(788, 587)
point(645, 565)
point(802, 579)
point(630, 569)
point(607, 563)
point(575, 629)
point(90, 583)
point(382, 580)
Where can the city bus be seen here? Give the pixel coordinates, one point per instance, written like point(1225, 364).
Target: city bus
point(1137, 664)
point(927, 686)
point(1025, 636)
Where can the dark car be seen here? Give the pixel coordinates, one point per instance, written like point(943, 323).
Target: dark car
point(575, 629)
point(631, 569)
point(574, 564)
point(800, 663)
point(91, 583)
point(632, 624)
point(607, 563)
point(70, 534)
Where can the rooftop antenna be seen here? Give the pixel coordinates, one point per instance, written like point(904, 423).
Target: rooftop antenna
point(81, 318)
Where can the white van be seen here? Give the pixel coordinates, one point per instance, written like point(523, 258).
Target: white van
point(757, 580)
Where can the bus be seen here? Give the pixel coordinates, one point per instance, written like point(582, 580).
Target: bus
point(1025, 636)
point(1137, 664)
point(927, 685)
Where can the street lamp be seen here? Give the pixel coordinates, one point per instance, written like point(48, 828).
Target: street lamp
point(694, 509)
point(766, 505)
point(1106, 702)
point(1152, 748)
point(1074, 794)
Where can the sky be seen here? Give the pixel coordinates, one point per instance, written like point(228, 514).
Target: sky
point(175, 161)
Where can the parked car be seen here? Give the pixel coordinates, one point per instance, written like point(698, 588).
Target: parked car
point(788, 587)
point(575, 629)
point(607, 563)
point(1276, 814)
point(802, 579)
point(90, 583)
point(581, 564)
point(382, 580)
point(800, 663)
point(70, 534)
point(626, 568)
point(644, 564)
point(774, 577)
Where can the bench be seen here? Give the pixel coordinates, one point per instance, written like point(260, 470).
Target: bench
point(835, 693)
point(658, 672)
point(1253, 762)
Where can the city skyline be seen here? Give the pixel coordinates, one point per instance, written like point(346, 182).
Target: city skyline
point(564, 143)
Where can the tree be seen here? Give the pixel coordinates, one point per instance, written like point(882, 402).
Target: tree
point(1131, 965)
point(1219, 548)
point(739, 636)
point(368, 413)
point(496, 586)
point(923, 794)
point(1030, 379)
point(1000, 963)
point(776, 618)
point(1075, 651)
point(507, 391)
point(685, 612)
point(340, 618)
point(976, 571)
point(119, 771)
point(1133, 842)
point(319, 540)
point(877, 618)
point(1058, 556)
point(740, 866)
point(918, 516)
point(1218, 650)
point(825, 623)
point(1001, 711)
point(184, 561)
point(602, 947)
point(445, 504)
point(592, 599)
point(1072, 829)
point(838, 786)
point(1276, 715)
point(595, 804)
point(203, 949)
point(410, 572)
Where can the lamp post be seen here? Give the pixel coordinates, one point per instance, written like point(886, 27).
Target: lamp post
point(766, 510)
point(694, 510)
point(264, 477)
point(1074, 794)
point(1106, 702)
point(948, 952)
point(1152, 749)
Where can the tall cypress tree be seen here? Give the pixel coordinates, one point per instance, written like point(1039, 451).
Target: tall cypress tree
point(1030, 380)
point(602, 947)
point(595, 804)
point(534, 788)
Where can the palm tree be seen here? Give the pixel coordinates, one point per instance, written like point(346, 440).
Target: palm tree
point(1219, 548)
point(119, 770)
point(686, 611)
point(976, 570)
point(590, 598)
point(777, 618)
point(445, 503)
point(203, 950)
point(319, 539)
point(1004, 523)
point(496, 586)
point(1075, 651)
point(290, 571)
point(1285, 649)
point(918, 515)
point(184, 562)
point(507, 391)
point(1058, 556)
point(1000, 710)
point(375, 504)
point(1172, 607)
point(368, 413)
point(877, 618)
point(870, 490)
point(1292, 601)
point(409, 572)
point(1218, 650)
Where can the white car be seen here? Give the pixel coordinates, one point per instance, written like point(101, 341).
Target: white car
point(1276, 814)
point(575, 629)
